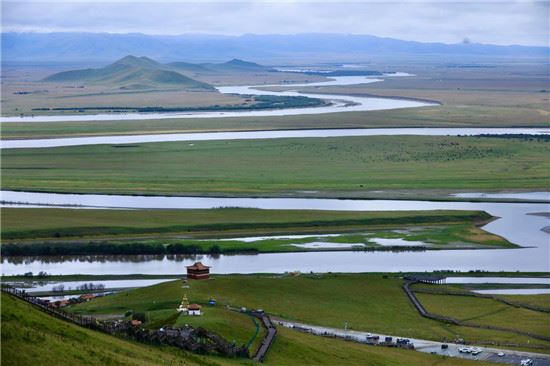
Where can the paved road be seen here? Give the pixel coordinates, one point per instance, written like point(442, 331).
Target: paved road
point(511, 357)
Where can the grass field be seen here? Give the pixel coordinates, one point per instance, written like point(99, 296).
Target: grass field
point(290, 166)
point(504, 96)
point(39, 227)
point(24, 92)
point(32, 337)
point(366, 302)
point(487, 312)
point(536, 300)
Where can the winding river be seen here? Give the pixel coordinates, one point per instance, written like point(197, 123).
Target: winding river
point(520, 223)
point(339, 103)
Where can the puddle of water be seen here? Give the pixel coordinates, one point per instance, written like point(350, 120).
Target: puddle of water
point(325, 245)
point(397, 242)
point(252, 239)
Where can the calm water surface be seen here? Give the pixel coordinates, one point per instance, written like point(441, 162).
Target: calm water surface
point(37, 286)
point(531, 196)
point(511, 280)
point(514, 224)
point(262, 135)
point(515, 291)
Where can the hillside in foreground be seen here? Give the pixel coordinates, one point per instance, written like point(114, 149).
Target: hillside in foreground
point(32, 337)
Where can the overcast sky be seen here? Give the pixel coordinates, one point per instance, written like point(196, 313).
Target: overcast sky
point(510, 22)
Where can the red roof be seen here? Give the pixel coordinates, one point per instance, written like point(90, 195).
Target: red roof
point(198, 266)
point(194, 307)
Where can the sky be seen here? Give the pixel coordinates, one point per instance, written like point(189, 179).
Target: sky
point(494, 22)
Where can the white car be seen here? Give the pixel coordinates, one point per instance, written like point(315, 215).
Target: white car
point(526, 362)
point(500, 354)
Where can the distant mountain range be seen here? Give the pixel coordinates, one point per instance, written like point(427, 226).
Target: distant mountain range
point(131, 72)
point(101, 47)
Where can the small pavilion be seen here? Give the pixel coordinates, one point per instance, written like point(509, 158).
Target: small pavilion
point(198, 271)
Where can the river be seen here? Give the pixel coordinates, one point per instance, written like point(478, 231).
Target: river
point(516, 220)
point(339, 103)
point(263, 135)
point(516, 223)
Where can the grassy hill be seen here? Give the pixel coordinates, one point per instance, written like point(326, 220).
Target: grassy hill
point(30, 337)
point(237, 65)
point(131, 72)
point(232, 66)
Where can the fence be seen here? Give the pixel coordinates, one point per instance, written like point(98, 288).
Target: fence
point(422, 311)
point(197, 340)
point(269, 337)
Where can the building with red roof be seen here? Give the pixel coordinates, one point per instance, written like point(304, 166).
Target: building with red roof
point(198, 271)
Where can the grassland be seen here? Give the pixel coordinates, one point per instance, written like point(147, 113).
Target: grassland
point(286, 166)
point(486, 312)
point(47, 231)
point(32, 337)
point(24, 91)
point(373, 303)
point(56, 222)
point(542, 300)
point(506, 96)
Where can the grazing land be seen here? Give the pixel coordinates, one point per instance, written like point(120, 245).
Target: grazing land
point(47, 231)
point(135, 84)
point(31, 337)
point(342, 166)
point(504, 95)
point(496, 96)
point(542, 300)
point(473, 310)
point(46, 222)
point(367, 302)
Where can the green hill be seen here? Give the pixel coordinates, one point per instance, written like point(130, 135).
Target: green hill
point(232, 66)
point(30, 337)
point(131, 72)
point(189, 68)
point(236, 65)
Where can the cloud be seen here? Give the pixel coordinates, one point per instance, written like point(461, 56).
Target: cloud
point(511, 22)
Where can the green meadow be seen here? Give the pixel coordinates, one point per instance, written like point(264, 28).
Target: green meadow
point(367, 302)
point(283, 166)
point(32, 337)
point(47, 231)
